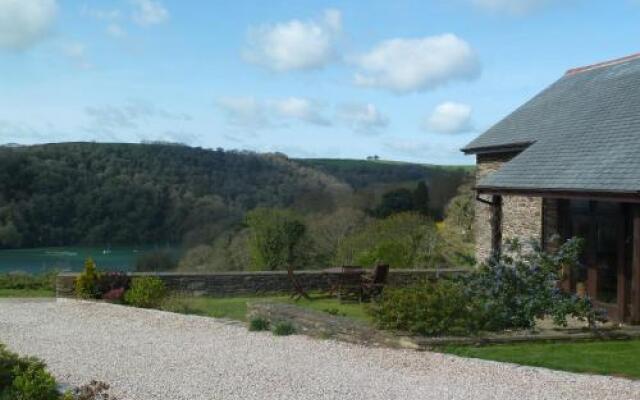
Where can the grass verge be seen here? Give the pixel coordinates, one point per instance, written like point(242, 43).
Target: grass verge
point(26, 293)
point(617, 358)
point(236, 307)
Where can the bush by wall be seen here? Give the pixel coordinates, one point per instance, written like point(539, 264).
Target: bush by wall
point(86, 283)
point(146, 292)
point(93, 284)
point(22, 281)
point(430, 308)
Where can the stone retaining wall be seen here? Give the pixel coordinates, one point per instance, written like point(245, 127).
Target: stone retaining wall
point(248, 283)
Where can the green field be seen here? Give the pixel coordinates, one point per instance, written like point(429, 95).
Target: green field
point(618, 358)
point(35, 261)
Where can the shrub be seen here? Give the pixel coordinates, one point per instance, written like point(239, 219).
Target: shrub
point(438, 308)
point(284, 328)
point(157, 260)
point(22, 281)
point(258, 324)
point(86, 284)
point(112, 285)
point(24, 378)
point(520, 286)
point(146, 292)
point(32, 383)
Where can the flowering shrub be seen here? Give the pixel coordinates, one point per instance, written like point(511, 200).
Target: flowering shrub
point(93, 284)
point(112, 285)
point(520, 286)
point(508, 292)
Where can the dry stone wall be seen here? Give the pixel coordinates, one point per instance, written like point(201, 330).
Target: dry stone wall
point(251, 283)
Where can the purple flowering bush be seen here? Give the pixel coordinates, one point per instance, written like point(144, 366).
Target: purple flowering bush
point(516, 288)
point(506, 292)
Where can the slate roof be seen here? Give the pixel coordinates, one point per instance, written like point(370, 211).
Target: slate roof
point(582, 133)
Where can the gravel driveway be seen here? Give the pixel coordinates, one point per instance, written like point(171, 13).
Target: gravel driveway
point(149, 355)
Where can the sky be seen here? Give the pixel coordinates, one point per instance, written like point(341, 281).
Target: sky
point(407, 80)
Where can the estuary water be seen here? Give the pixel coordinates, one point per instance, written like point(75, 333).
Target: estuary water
point(40, 260)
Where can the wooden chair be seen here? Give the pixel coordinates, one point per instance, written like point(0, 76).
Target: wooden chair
point(297, 289)
point(349, 285)
point(373, 284)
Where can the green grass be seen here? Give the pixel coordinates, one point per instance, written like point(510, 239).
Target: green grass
point(236, 307)
point(5, 293)
point(357, 311)
point(26, 285)
point(227, 307)
point(619, 358)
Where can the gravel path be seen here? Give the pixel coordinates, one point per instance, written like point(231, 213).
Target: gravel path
point(150, 355)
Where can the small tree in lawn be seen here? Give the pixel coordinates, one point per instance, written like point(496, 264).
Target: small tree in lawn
point(274, 238)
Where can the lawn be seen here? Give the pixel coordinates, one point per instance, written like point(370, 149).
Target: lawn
point(26, 285)
point(618, 358)
point(236, 307)
point(4, 293)
point(357, 311)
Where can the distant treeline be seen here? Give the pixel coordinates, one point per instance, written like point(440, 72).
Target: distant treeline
point(90, 193)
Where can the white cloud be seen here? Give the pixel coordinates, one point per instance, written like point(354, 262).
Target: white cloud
point(149, 12)
point(363, 118)
point(295, 45)
point(23, 23)
point(254, 114)
point(449, 117)
point(301, 109)
point(516, 7)
point(132, 115)
point(116, 31)
point(408, 65)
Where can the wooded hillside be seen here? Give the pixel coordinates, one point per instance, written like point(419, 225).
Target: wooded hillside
point(90, 193)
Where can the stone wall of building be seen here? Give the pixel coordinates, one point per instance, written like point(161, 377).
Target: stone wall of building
point(252, 283)
point(521, 216)
point(521, 219)
point(485, 165)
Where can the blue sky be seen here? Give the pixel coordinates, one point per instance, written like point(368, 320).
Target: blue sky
point(406, 80)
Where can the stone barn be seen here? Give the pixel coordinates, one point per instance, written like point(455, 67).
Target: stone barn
point(567, 163)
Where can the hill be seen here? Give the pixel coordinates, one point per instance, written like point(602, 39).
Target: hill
point(380, 175)
point(91, 193)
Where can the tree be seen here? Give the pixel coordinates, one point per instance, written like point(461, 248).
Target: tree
point(394, 202)
point(405, 240)
point(457, 229)
point(421, 198)
point(9, 235)
point(274, 237)
point(329, 231)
